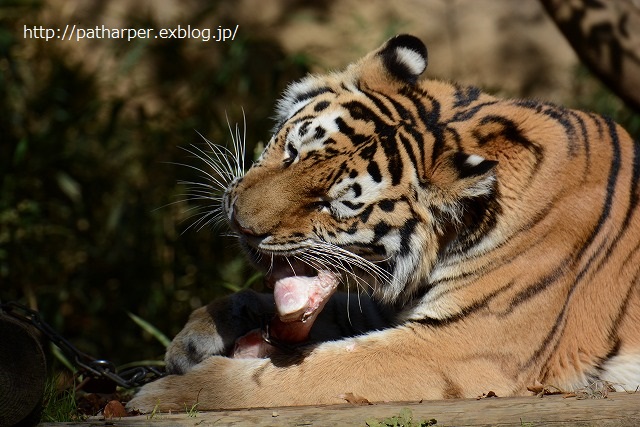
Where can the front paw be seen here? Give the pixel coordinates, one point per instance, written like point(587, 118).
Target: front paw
point(214, 329)
point(156, 396)
point(217, 383)
point(197, 341)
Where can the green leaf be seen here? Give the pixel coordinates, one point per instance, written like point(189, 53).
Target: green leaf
point(59, 355)
point(148, 327)
point(69, 186)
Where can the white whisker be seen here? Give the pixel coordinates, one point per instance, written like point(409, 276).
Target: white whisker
point(219, 168)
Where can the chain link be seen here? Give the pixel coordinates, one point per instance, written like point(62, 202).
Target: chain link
point(89, 366)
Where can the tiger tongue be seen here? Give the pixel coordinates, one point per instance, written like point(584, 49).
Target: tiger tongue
point(300, 299)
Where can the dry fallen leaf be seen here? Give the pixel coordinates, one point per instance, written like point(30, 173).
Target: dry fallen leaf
point(354, 400)
point(544, 390)
point(486, 395)
point(537, 388)
point(598, 389)
point(114, 409)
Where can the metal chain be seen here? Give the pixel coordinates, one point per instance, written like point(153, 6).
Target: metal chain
point(95, 368)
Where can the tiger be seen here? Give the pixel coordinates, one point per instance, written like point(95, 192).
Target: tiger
point(480, 244)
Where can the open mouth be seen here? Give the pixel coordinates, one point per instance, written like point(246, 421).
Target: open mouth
point(300, 292)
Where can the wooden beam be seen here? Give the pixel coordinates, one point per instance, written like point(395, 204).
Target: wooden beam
point(617, 410)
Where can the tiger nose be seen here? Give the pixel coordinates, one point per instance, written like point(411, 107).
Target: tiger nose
point(247, 231)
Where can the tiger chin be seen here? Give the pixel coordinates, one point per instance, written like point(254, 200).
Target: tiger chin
point(482, 244)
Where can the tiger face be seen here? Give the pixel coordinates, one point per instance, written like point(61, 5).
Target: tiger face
point(349, 183)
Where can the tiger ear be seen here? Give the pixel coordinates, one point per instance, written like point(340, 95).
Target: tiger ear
point(463, 176)
point(402, 59)
point(476, 173)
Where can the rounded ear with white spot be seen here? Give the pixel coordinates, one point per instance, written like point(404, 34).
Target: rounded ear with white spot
point(404, 57)
point(462, 176)
point(476, 172)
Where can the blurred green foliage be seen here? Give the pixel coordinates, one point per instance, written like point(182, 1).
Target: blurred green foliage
point(590, 94)
point(88, 225)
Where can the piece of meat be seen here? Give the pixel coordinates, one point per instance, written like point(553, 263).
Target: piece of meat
point(251, 345)
point(300, 297)
point(298, 300)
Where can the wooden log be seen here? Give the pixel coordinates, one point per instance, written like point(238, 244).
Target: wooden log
point(604, 34)
point(617, 410)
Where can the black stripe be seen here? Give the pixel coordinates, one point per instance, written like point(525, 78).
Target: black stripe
point(560, 115)
point(380, 230)
point(336, 174)
point(468, 114)
point(408, 147)
point(304, 128)
point(540, 285)
point(357, 189)
point(408, 124)
point(405, 114)
point(359, 111)
point(368, 151)
point(465, 95)
point(394, 160)
point(319, 132)
point(535, 105)
point(465, 312)
point(364, 216)
point(320, 106)
point(386, 135)
point(548, 340)
point(634, 191)
point(374, 171)
point(632, 209)
point(406, 232)
point(355, 138)
point(312, 94)
point(585, 136)
point(510, 131)
point(353, 206)
point(612, 181)
point(375, 98)
point(387, 205)
point(622, 312)
point(430, 118)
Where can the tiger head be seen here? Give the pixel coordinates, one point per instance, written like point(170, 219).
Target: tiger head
point(358, 179)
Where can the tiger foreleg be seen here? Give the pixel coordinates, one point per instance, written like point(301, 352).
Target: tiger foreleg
point(370, 366)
